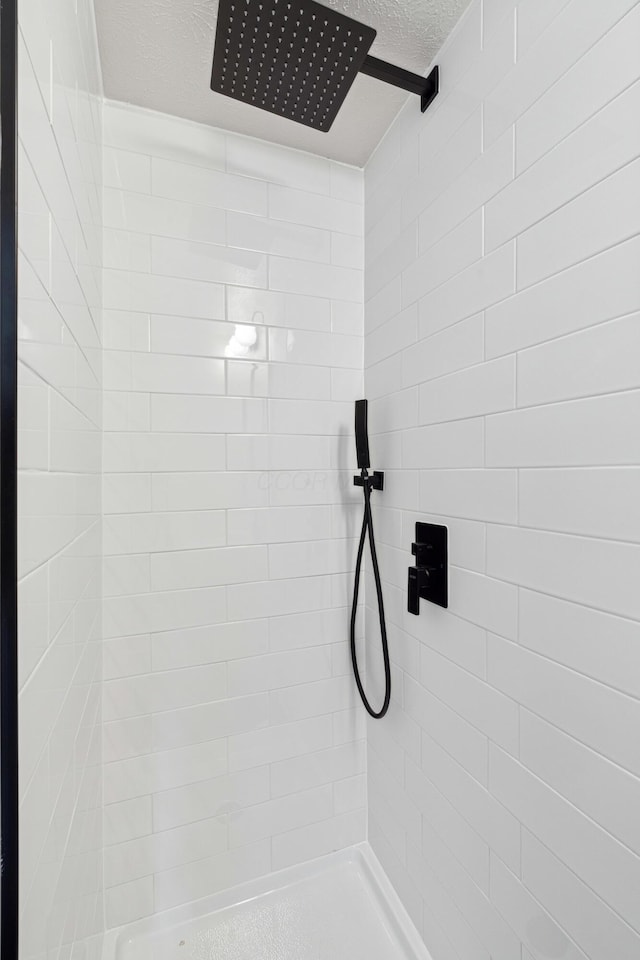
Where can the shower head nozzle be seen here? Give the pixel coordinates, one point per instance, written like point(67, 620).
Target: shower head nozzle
point(294, 58)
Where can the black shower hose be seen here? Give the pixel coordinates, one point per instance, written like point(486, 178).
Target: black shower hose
point(367, 525)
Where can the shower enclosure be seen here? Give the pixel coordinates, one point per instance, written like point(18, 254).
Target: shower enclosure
point(199, 309)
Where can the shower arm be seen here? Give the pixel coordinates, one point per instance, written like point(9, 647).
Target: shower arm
point(425, 87)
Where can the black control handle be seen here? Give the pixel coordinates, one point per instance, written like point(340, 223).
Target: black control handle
point(418, 577)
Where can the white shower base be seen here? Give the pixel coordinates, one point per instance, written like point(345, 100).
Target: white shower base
point(340, 907)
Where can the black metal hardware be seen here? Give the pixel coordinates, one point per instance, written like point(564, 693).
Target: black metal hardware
point(426, 87)
point(374, 482)
point(362, 436)
point(299, 63)
point(428, 579)
point(418, 577)
point(9, 808)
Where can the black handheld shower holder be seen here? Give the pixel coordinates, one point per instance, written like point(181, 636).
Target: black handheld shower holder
point(373, 482)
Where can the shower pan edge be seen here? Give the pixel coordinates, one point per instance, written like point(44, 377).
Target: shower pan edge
point(164, 935)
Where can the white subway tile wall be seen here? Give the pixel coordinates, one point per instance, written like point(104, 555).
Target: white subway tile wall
point(501, 355)
point(59, 482)
point(233, 327)
point(192, 334)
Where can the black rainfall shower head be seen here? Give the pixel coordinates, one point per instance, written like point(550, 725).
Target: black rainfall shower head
point(295, 58)
point(298, 58)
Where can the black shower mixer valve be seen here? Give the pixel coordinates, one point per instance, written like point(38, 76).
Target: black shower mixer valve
point(427, 579)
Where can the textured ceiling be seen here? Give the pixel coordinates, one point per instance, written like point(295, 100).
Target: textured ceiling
point(158, 54)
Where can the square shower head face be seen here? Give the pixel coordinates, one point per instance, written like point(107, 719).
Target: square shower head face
point(295, 58)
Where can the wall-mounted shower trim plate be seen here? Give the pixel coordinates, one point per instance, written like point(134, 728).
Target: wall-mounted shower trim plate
point(428, 579)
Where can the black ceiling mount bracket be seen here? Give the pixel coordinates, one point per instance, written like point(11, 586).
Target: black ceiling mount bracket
point(426, 87)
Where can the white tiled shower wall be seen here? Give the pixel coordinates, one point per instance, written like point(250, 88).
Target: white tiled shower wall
point(59, 371)
point(233, 292)
point(501, 358)
point(502, 338)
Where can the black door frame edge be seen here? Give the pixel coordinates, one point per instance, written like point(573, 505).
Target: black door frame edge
point(9, 840)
